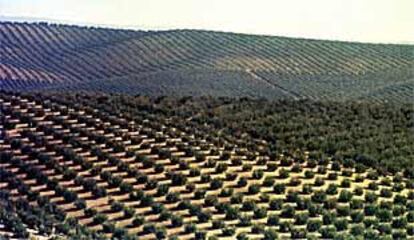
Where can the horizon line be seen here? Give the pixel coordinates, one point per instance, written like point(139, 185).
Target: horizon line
point(37, 20)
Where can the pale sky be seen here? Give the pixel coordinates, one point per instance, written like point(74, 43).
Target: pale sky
point(387, 21)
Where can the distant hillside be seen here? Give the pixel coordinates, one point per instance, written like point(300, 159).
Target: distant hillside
point(189, 62)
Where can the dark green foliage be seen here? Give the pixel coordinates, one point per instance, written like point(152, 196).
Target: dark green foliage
point(147, 200)
point(346, 183)
point(400, 199)
point(370, 234)
point(370, 197)
point(149, 228)
point(257, 174)
point(332, 189)
point(270, 234)
point(136, 195)
point(69, 196)
point(151, 184)
point(345, 196)
point(242, 236)
point(268, 182)
point(298, 233)
point(301, 219)
point(178, 179)
point(199, 194)
point(410, 230)
point(283, 173)
point(176, 221)
point(285, 227)
point(126, 187)
point(205, 216)
point(384, 215)
point(273, 220)
point(288, 212)
point(129, 212)
point(328, 218)
point(200, 235)
point(276, 204)
point(327, 232)
point(258, 228)
point(313, 225)
point(341, 224)
point(375, 214)
point(399, 234)
point(99, 218)
point(254, 189)
point(338, 116)
point(279, 188)
point(164, 216)
point(400, 222)
point(210, 200)
point(386, 193)
point(248, 206)
point(410, 217)
point(138, 221)
point(309, 174)
point(222, 167)
point(370, 209)
point(357, 216)
point(343, 211)
point(245, 220)
point(231, 213)
point(160, 233)
point(172, 197)
point(357, 230)
point(398, 210)
point(90, 212)
point(242, 182)
point(384, 228)
point(80, 204)
point(158, 168)
point(217, 224)
point(259, 213)
point(236, 199)
point(229, 231)
point(117, 206)
point(319, 197)
point(358, 191)
point(216, 183)
point(157, 208)
point(162, 189)
point(370, 222)
point(108, 227)
point(194, 172)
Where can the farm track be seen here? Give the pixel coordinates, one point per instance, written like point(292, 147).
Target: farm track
point(284, 90)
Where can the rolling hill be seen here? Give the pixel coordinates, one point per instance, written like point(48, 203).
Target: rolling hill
point(190, 62)
point(185, 134)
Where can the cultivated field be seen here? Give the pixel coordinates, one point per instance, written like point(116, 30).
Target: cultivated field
point(186, 134)
point(133, 168)
point(199, 63)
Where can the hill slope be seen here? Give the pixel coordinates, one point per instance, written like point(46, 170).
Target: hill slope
point(189, 62)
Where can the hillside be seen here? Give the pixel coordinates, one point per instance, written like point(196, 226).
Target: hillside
point(187, 134)
point(197, 63)
point(120, 167)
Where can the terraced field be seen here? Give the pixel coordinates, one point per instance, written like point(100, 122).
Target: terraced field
point(88, 167)
point(199, 63)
